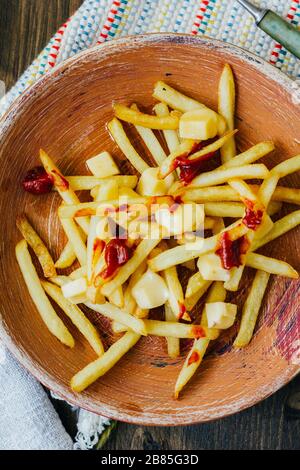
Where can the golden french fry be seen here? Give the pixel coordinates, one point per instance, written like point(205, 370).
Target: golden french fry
point(151, 142)
point(78, 273)
point(173, 344)
point(194, 283)
point(224, 209)
point(217, 293)
point(37, 245)
point(180, 254)
point(176, 298)
point(74, 237)
point(271, 265)
point(226, 105)
point(250, 156)
point(66, 258)
point(175, 99)
point(118, 327)
point(96, 369)
point(146, 120)
point(235, 277)
point(117, 297)
point(221, 176)
point(279, 228)
point(191, 301)
point(267, 189)
point(141, 252)
point(81, 183)
point(59, 280)
point(226, 194)
point(114, 313)
point(121, 139)
point(251, 309)
point(291, 165)
point(36, 291)
point(63, 187)
point(167, 166)
point(96, 208)
point(178, 330)
point(77, 316)
point(172, 139)
point(216, 145)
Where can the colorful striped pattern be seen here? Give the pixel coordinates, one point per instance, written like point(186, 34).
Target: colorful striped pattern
point(98, 21)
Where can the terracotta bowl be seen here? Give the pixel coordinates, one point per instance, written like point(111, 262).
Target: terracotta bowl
point(66, 114)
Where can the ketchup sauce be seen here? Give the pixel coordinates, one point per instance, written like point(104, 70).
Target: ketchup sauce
point(231, 251)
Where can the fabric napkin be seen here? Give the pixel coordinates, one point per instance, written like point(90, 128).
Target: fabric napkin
point(27, 417)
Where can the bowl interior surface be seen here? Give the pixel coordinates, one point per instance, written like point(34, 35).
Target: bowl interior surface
point(66, 114)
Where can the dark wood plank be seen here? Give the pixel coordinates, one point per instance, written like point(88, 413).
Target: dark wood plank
point(265, 426)
point(25, 28)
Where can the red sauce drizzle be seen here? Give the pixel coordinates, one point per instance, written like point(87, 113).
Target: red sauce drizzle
point(194, 357)
point(37, 181)
point(253, 217)
point(182, 310)
point(189, 169)
point(60, 181)
point(231, 251)
point(198, 332)
point(116, 254)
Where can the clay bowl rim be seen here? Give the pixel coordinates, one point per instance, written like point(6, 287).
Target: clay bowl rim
point(7, 120)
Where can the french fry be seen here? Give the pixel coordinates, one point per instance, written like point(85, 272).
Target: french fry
point(59, 280)
point(78, 273)
point(251, 309)
point(151, 142)
point(175, 99)
point(96, 208)
point(216, 145)
point(267, 189)
point(218, 225)
point(167, 166)
point(217, 293)
point(172, 139)
point(233, 283)
point(218, 176)
point(74, 236)
point(39, 298)
point(226, 194)
point(81, 183)
point(118, 327)
point(180, 254)
point(173, 344)
point(191, 301)
point(121, 139)
point(37, 245)
point(291, 165)
point(114, 313)
point(194, 283)
point(77, 317)
point(145, 120)
point(96, 369)
point(66, 258)
point(178, 330)
point(62, 186)
point(226, 105)
point(224, 209)
point(117, 297)
point(280, 227)
point(250, 156)
point(141, 252)
point(271, 265)
point(176, 298)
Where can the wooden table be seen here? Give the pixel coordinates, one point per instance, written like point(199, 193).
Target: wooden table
point(25, 27)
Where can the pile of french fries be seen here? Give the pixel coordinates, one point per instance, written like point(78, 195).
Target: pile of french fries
point(156, 242)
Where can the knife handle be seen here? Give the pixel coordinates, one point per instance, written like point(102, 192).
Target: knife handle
point(281, 31)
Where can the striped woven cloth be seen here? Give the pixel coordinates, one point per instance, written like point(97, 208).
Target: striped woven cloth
point(98, 21)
